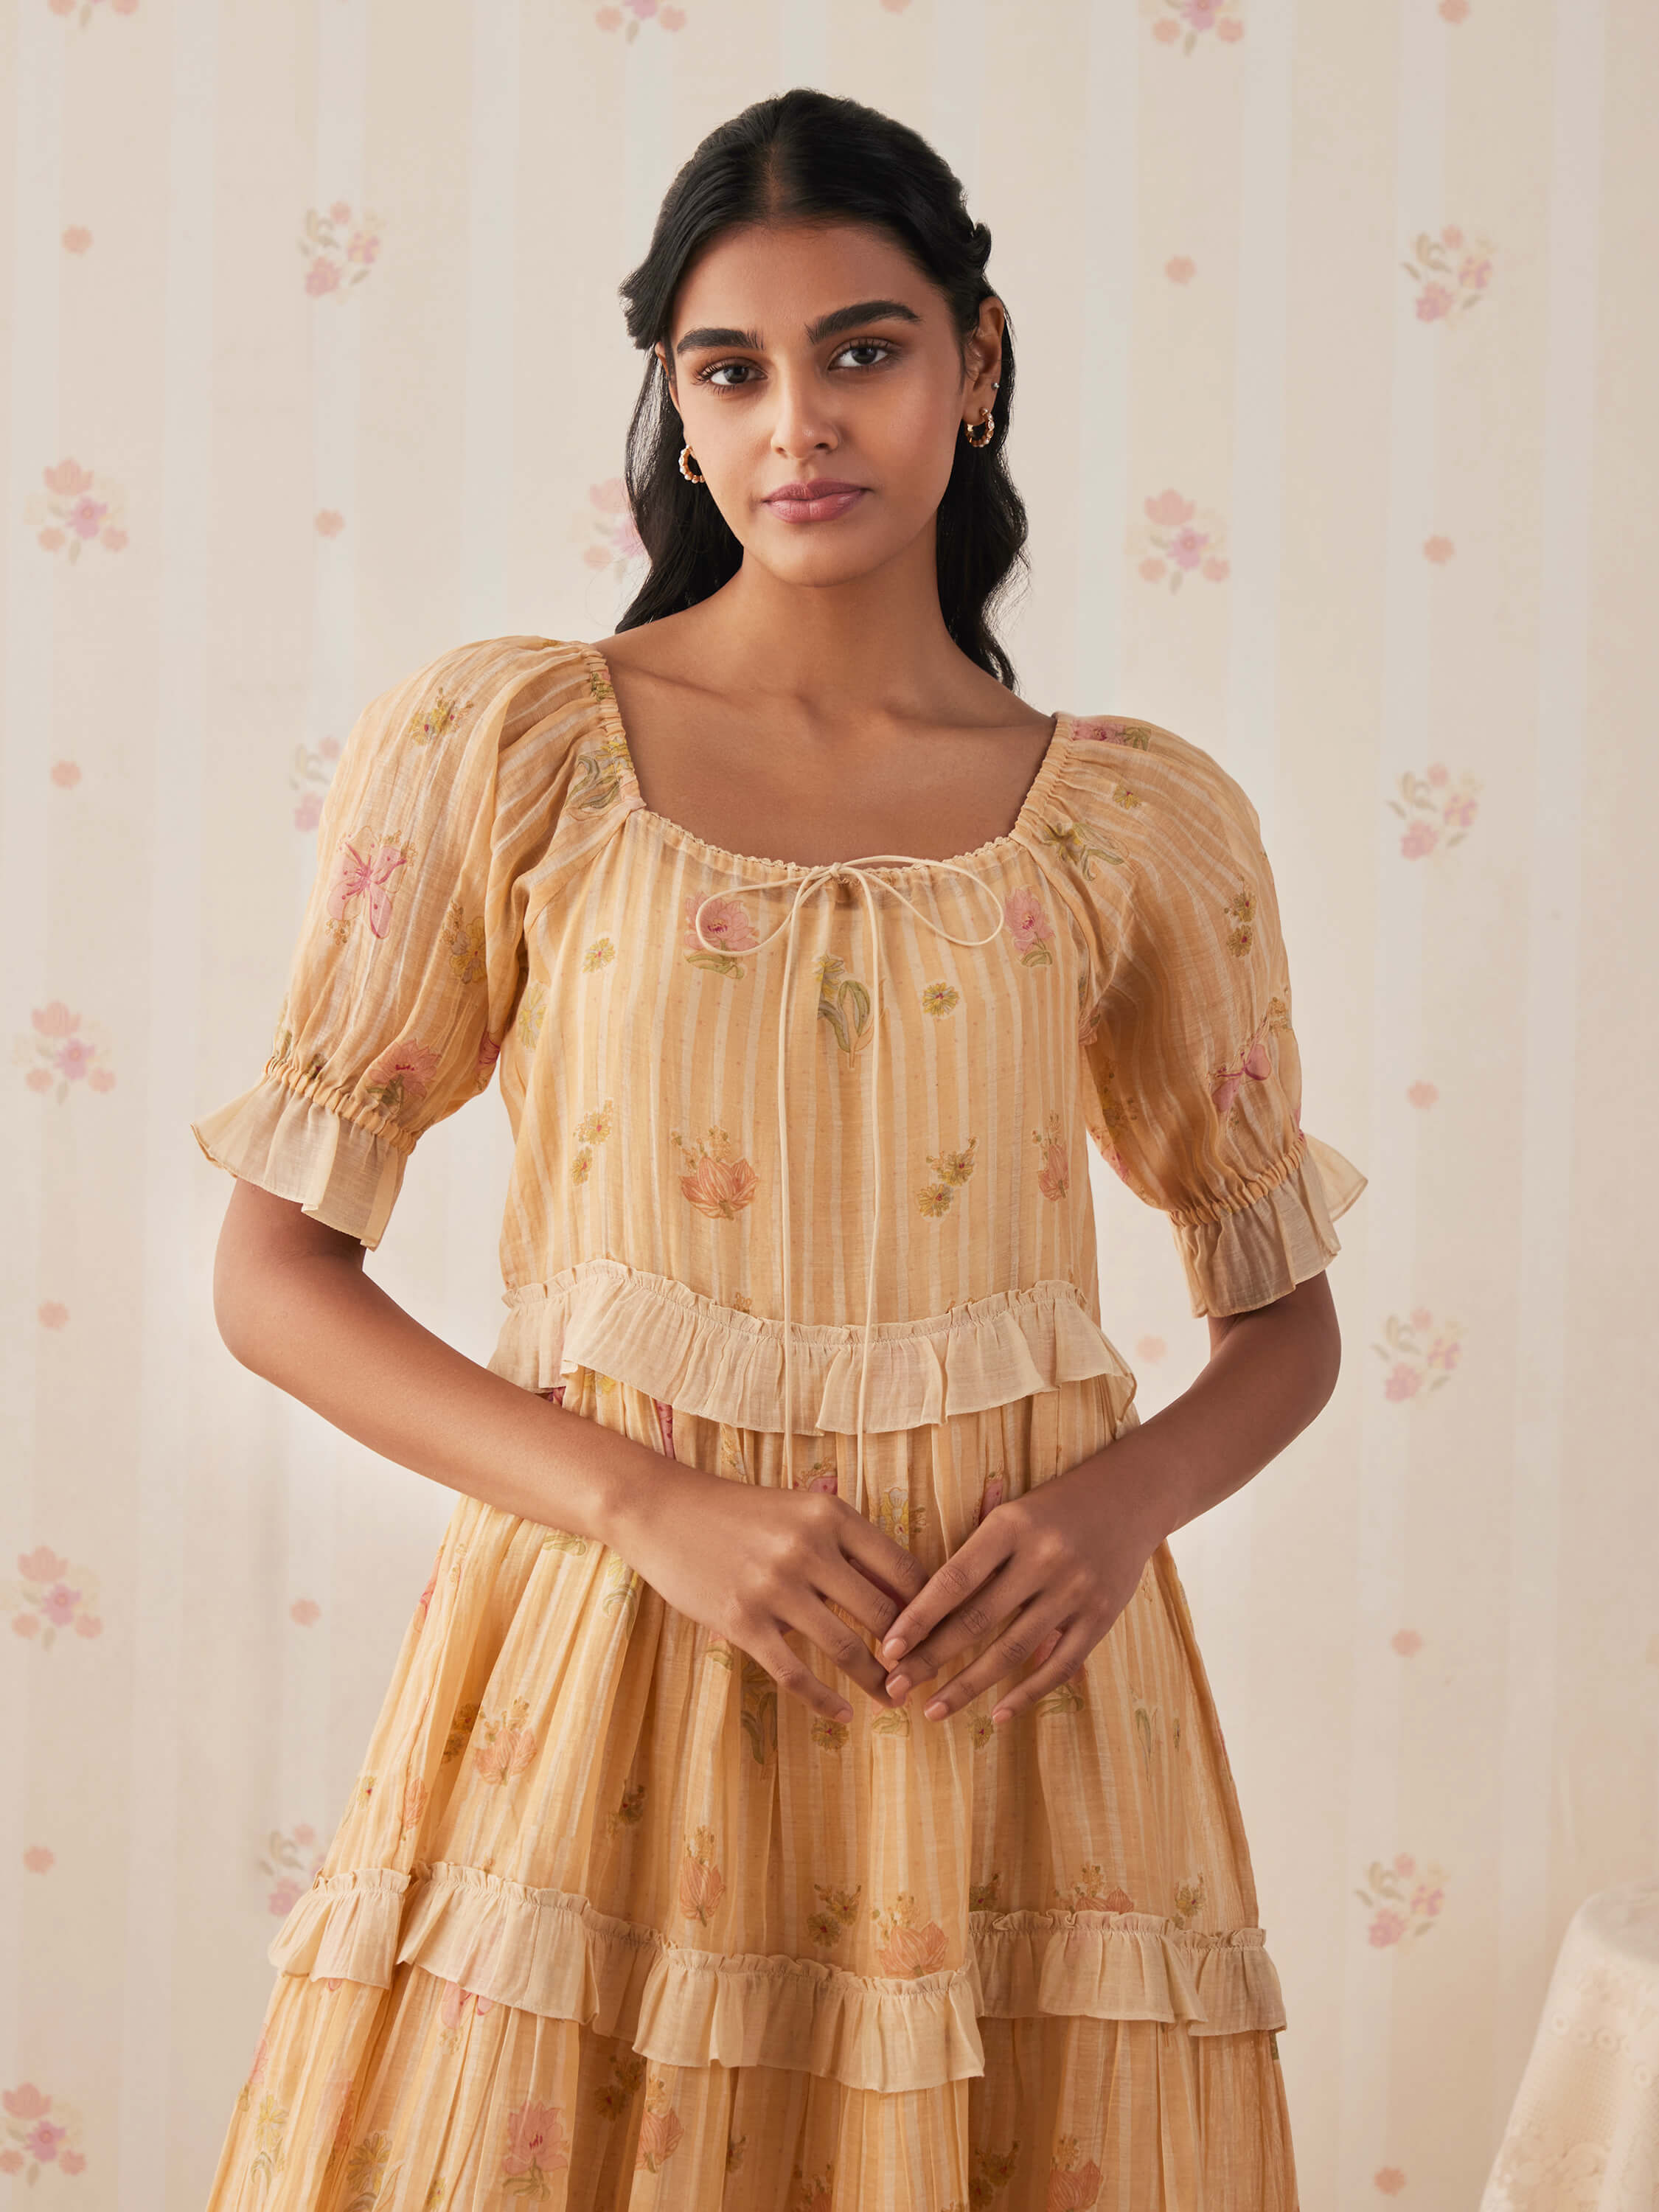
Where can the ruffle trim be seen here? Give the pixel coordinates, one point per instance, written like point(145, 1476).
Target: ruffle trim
point(548, 1952)
point(715, 1361)
point(1251, 1257)
point(291, 1143)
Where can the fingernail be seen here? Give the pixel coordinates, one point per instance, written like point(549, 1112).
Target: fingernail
point(894, 1648)
point(936, 1711)
point(843, 1713)
point(897, 1687)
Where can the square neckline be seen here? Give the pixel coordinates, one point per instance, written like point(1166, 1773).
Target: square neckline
point(605, 696)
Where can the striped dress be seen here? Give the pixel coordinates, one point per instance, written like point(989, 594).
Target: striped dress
point(800, 1195)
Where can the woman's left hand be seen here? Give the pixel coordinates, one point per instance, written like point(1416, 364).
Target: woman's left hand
point(1051, 1570)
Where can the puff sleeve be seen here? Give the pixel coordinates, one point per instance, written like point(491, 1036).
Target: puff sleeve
point(1192, 1073)
point(407, 968)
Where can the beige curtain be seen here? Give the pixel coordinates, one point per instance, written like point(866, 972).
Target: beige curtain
point(1338, 342)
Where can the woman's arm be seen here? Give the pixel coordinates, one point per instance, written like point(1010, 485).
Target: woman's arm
point(293, 1303)
point(1057, 1564)
point(753, 1562)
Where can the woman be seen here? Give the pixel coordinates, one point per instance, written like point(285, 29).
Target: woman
point(798, 1786)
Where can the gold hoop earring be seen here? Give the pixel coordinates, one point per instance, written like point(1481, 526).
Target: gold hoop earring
point(980, 433)
point(691, 476)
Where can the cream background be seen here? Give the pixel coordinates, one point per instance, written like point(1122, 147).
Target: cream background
point(461, 412)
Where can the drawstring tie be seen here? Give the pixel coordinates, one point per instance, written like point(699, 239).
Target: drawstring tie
point(862, 871)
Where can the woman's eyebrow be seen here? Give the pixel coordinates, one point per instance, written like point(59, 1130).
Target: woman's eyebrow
point(827, 327)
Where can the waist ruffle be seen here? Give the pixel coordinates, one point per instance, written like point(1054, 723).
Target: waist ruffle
point(713, 1361)
point(546, 1952)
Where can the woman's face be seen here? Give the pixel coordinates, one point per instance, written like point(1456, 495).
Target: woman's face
point(818, 354)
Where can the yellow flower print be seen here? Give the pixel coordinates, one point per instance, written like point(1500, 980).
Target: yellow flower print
point(614, 2097)
point(532, 1008)
point(592, 1129)
point(1188, 1902)
point(840, 1909)
point(433, 722)
point(466, 943)
point(1064, 1697)
point(715, 1183)
point(901, 1516)
point(702, 1883)
point(1089, 1894)
point(939, 1000)
point(986, 1896)
point(1241, 914)
point(951, 1171)
point(600, 954)
point(621, 1592)
point(1082, 844)
point(1073, 2181)
point(909, 1947)
point(1053, 1178)
point(828, 1735)
point(461, 1727)
point(1112, 729)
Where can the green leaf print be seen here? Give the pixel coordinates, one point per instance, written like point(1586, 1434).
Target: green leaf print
point(844, 1003)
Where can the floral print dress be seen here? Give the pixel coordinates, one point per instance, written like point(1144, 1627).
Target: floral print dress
point(799, 1195)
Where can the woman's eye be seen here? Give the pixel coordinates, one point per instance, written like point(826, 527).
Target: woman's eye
point(880, 347)
point(708, 375)
point(875, 351)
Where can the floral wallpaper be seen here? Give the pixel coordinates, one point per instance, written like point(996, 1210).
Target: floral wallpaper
point(316, 367)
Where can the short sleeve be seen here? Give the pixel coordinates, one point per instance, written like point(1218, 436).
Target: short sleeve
point(1192, 1072)
point(407, 968)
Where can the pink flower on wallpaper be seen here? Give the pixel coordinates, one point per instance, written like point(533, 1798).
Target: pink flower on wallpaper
point(1404, 1902)
point(39, 2131)
point(1150, 1349)
point(1406, 1642)
point(1419, 1354)
point(627, 17)
point(60, 1052)
point(50, 1594)
point(1438, 550)
point(338, 254)
point(306, 1611)
point(1451, 275)
point(76, 508)
point(1181, 269)
point(51, 1315)
point(328, 522)
point(1184, 22)
point(1178, 540)
point(289, 1863)
point(312, 772)
point(1429, 804)
point(1422, 1094)
point(1454, 11)
point(77, 239)
point(608, 526)
point(89, 7)
point(39, 1860)
point(65, 774)
point(1388, 2178)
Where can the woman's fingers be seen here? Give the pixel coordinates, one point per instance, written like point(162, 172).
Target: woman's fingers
point(950, 1587)
point(793, 1675)
point(841, 1644)
point(1022, 1636)
point(882, 1562)
point(1058, 1657)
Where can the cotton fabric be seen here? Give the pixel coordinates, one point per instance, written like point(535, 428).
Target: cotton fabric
point(799, 1195)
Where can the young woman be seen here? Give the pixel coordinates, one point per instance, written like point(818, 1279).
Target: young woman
point(798, 1787)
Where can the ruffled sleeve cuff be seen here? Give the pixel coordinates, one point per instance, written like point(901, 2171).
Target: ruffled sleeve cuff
point(289, 1144)
point(1240, 1260)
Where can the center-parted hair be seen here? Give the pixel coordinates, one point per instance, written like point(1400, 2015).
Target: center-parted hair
point(807, 155)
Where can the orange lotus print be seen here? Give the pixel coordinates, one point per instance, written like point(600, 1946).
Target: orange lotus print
point(660, 2130)
point(717, 1182)
point(537, 2146)
point(909, 1946)
point(702, 1883)
point(505, 1744)
point(1073, 2180)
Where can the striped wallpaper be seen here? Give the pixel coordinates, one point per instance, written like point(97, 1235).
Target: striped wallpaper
point(1338, 335)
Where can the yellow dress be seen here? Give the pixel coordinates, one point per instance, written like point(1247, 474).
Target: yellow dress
point(608, 1923)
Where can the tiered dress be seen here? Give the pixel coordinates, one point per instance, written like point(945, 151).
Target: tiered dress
point(607, 1922)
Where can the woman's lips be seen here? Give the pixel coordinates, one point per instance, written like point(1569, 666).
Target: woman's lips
point(818, 505)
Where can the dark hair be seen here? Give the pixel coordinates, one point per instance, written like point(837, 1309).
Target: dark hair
point(809, 154)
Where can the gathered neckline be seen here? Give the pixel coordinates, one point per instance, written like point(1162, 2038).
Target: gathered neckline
point(1036, 794)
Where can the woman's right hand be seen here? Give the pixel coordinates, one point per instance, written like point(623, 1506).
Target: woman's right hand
point(755, 1562)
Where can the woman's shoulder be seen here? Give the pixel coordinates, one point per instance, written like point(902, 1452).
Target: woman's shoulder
point(1161, 790)
point(529, 674)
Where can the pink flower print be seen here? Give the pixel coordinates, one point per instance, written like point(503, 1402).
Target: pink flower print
point(364, 248)
point(55, 1020)
point(306, 1611)
point(1186, 548)
point(660, 2130)
point(87, 515)
point(1169, 509)
point(504, 1745)
point(1439, 550)
point(1386, 1927)
point(1402, 1382)
point(1388, 2179)
point(1073, 2181)
point(665, 1427)
point(1444, 1353)
point(1404, 1863)
point(1458, 814)
point(282, 1900)
point(401, 1076)
point(1406, 1642)
point(1434, 303)
point(1420, 839)
point(60, 1603)
point(536, 2147)
point(907, 1948)
point(65, 774)
point(1028, 924)
point(367, 869)
point(309, 812)
point(42, 1566)
point(1422, 1094)
point(323, 276)
point(68, 478)
point(716, 1184)
point(328, 522)
point(42, 2141)
point(1427, 1899)
point(39, 1860)
point(340, 212)
point(1438, 774)
point(1421, 1317)
point(727, 927)
point(1181, 269)
point(73, 1058)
